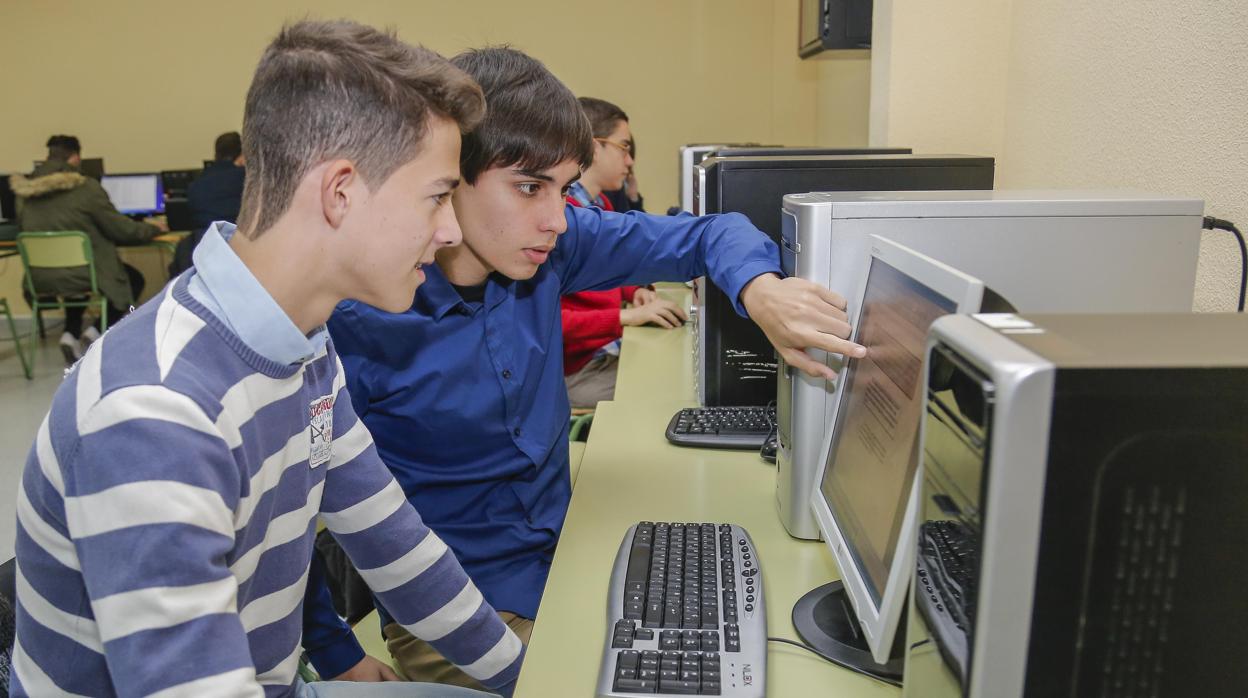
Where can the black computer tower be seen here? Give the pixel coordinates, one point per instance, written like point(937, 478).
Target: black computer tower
point(1083, 523)
point(762, 150)
point(734, 362)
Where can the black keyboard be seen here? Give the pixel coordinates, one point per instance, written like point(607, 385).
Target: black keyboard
point(685, 613)
point(946, 587)
point(744, 428)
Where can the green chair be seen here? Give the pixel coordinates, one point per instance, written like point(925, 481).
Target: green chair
point(59, 250)
point(17, 339)
point(579, 424)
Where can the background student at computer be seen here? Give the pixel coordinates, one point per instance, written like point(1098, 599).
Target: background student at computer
point(58, 197)
point(593, 321)
point(215, 195)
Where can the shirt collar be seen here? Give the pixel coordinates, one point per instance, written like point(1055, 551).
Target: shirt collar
point(437, 297)
point(231, 292)
point(581, 194)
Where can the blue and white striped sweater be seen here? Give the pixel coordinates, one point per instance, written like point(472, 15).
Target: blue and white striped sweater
point(166, 517)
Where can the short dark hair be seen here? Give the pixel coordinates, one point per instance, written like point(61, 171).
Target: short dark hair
point(531, 120)
point(339, 89)
point(62, 147)
point(603, 116)
point(228, 146)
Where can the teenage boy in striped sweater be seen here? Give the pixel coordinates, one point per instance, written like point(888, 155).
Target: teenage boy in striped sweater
point(168, 506)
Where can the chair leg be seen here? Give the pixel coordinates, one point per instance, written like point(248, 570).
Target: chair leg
point(17, 340)
point(39, 323)
point(103, 316)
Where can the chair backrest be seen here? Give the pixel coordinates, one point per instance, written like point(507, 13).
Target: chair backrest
point(54, 250)
point(62, 249)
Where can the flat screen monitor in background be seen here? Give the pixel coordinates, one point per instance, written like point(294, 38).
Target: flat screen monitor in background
point(135, 194)
point(177, 182)
point(92, 167)
point(864, 506)
point(8, 203)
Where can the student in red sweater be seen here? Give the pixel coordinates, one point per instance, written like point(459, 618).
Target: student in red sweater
point(593, 321)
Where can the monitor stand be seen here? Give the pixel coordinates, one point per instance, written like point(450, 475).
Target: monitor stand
point(826, 621)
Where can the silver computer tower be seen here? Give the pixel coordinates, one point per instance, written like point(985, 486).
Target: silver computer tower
point(1041, 251)
point(1082, 528)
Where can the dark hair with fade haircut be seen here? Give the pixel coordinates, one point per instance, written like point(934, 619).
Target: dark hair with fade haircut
point(338, 89)
point(603, 116)
point(62, 147)
point(228, 146)
point(532, 120)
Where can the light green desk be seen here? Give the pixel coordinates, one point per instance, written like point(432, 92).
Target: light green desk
point(629, 473)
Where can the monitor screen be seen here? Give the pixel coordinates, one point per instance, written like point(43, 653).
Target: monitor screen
point(8, 202)
point(872, 459)
point(135, 194)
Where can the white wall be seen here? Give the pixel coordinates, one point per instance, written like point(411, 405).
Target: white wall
point(1066, 94)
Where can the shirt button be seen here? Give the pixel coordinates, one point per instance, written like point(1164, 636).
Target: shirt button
point(516, 431)
point(506, 374)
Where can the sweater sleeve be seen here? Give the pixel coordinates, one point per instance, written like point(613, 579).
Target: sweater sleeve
point(328, 640)
point(414, 574)
point(589, 326)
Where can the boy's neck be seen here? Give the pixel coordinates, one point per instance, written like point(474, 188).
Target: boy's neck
point(461, 267)
point(292, 271)
point(592, 187)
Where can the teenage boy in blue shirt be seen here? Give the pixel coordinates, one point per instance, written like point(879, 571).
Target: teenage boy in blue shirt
point(168, 506)
point(464, 391)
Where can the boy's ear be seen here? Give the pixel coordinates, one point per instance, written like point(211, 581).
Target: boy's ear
point(336, 191)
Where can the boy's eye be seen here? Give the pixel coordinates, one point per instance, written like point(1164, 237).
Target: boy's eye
point(528, 188)
point(442, 198)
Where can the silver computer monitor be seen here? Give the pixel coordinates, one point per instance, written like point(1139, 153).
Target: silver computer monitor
point(864, 503)
point(135, 194)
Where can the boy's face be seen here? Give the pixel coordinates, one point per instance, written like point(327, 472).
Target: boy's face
point(511, 217)
point(396, 229)
point(611, 157)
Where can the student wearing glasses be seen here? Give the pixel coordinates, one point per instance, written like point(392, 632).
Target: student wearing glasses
point(593, 321)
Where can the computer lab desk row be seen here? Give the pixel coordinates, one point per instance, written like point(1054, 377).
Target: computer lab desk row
point(630, 473)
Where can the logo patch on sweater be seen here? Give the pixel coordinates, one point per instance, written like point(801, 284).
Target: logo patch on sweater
point(321, 430)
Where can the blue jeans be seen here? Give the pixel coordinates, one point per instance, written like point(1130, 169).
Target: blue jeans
point(389, 689)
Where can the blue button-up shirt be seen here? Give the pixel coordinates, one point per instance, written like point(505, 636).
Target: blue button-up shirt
point(467, 402)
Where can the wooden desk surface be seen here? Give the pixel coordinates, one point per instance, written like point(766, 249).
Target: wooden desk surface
point(170, 238)
point(630, 473)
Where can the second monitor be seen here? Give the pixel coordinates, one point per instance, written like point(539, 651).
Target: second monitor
point(135, 194)
point(865, 497)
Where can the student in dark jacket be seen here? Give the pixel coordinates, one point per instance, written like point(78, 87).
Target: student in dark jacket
point(58, 197)
point(215, 196)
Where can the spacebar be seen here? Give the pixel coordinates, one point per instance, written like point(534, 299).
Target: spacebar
point(762, 434)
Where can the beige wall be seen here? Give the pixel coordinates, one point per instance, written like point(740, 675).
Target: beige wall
point(148, 84)
point(1147, 95)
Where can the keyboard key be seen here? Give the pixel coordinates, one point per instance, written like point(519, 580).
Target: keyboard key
point(678, 687)
point(635, 686)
